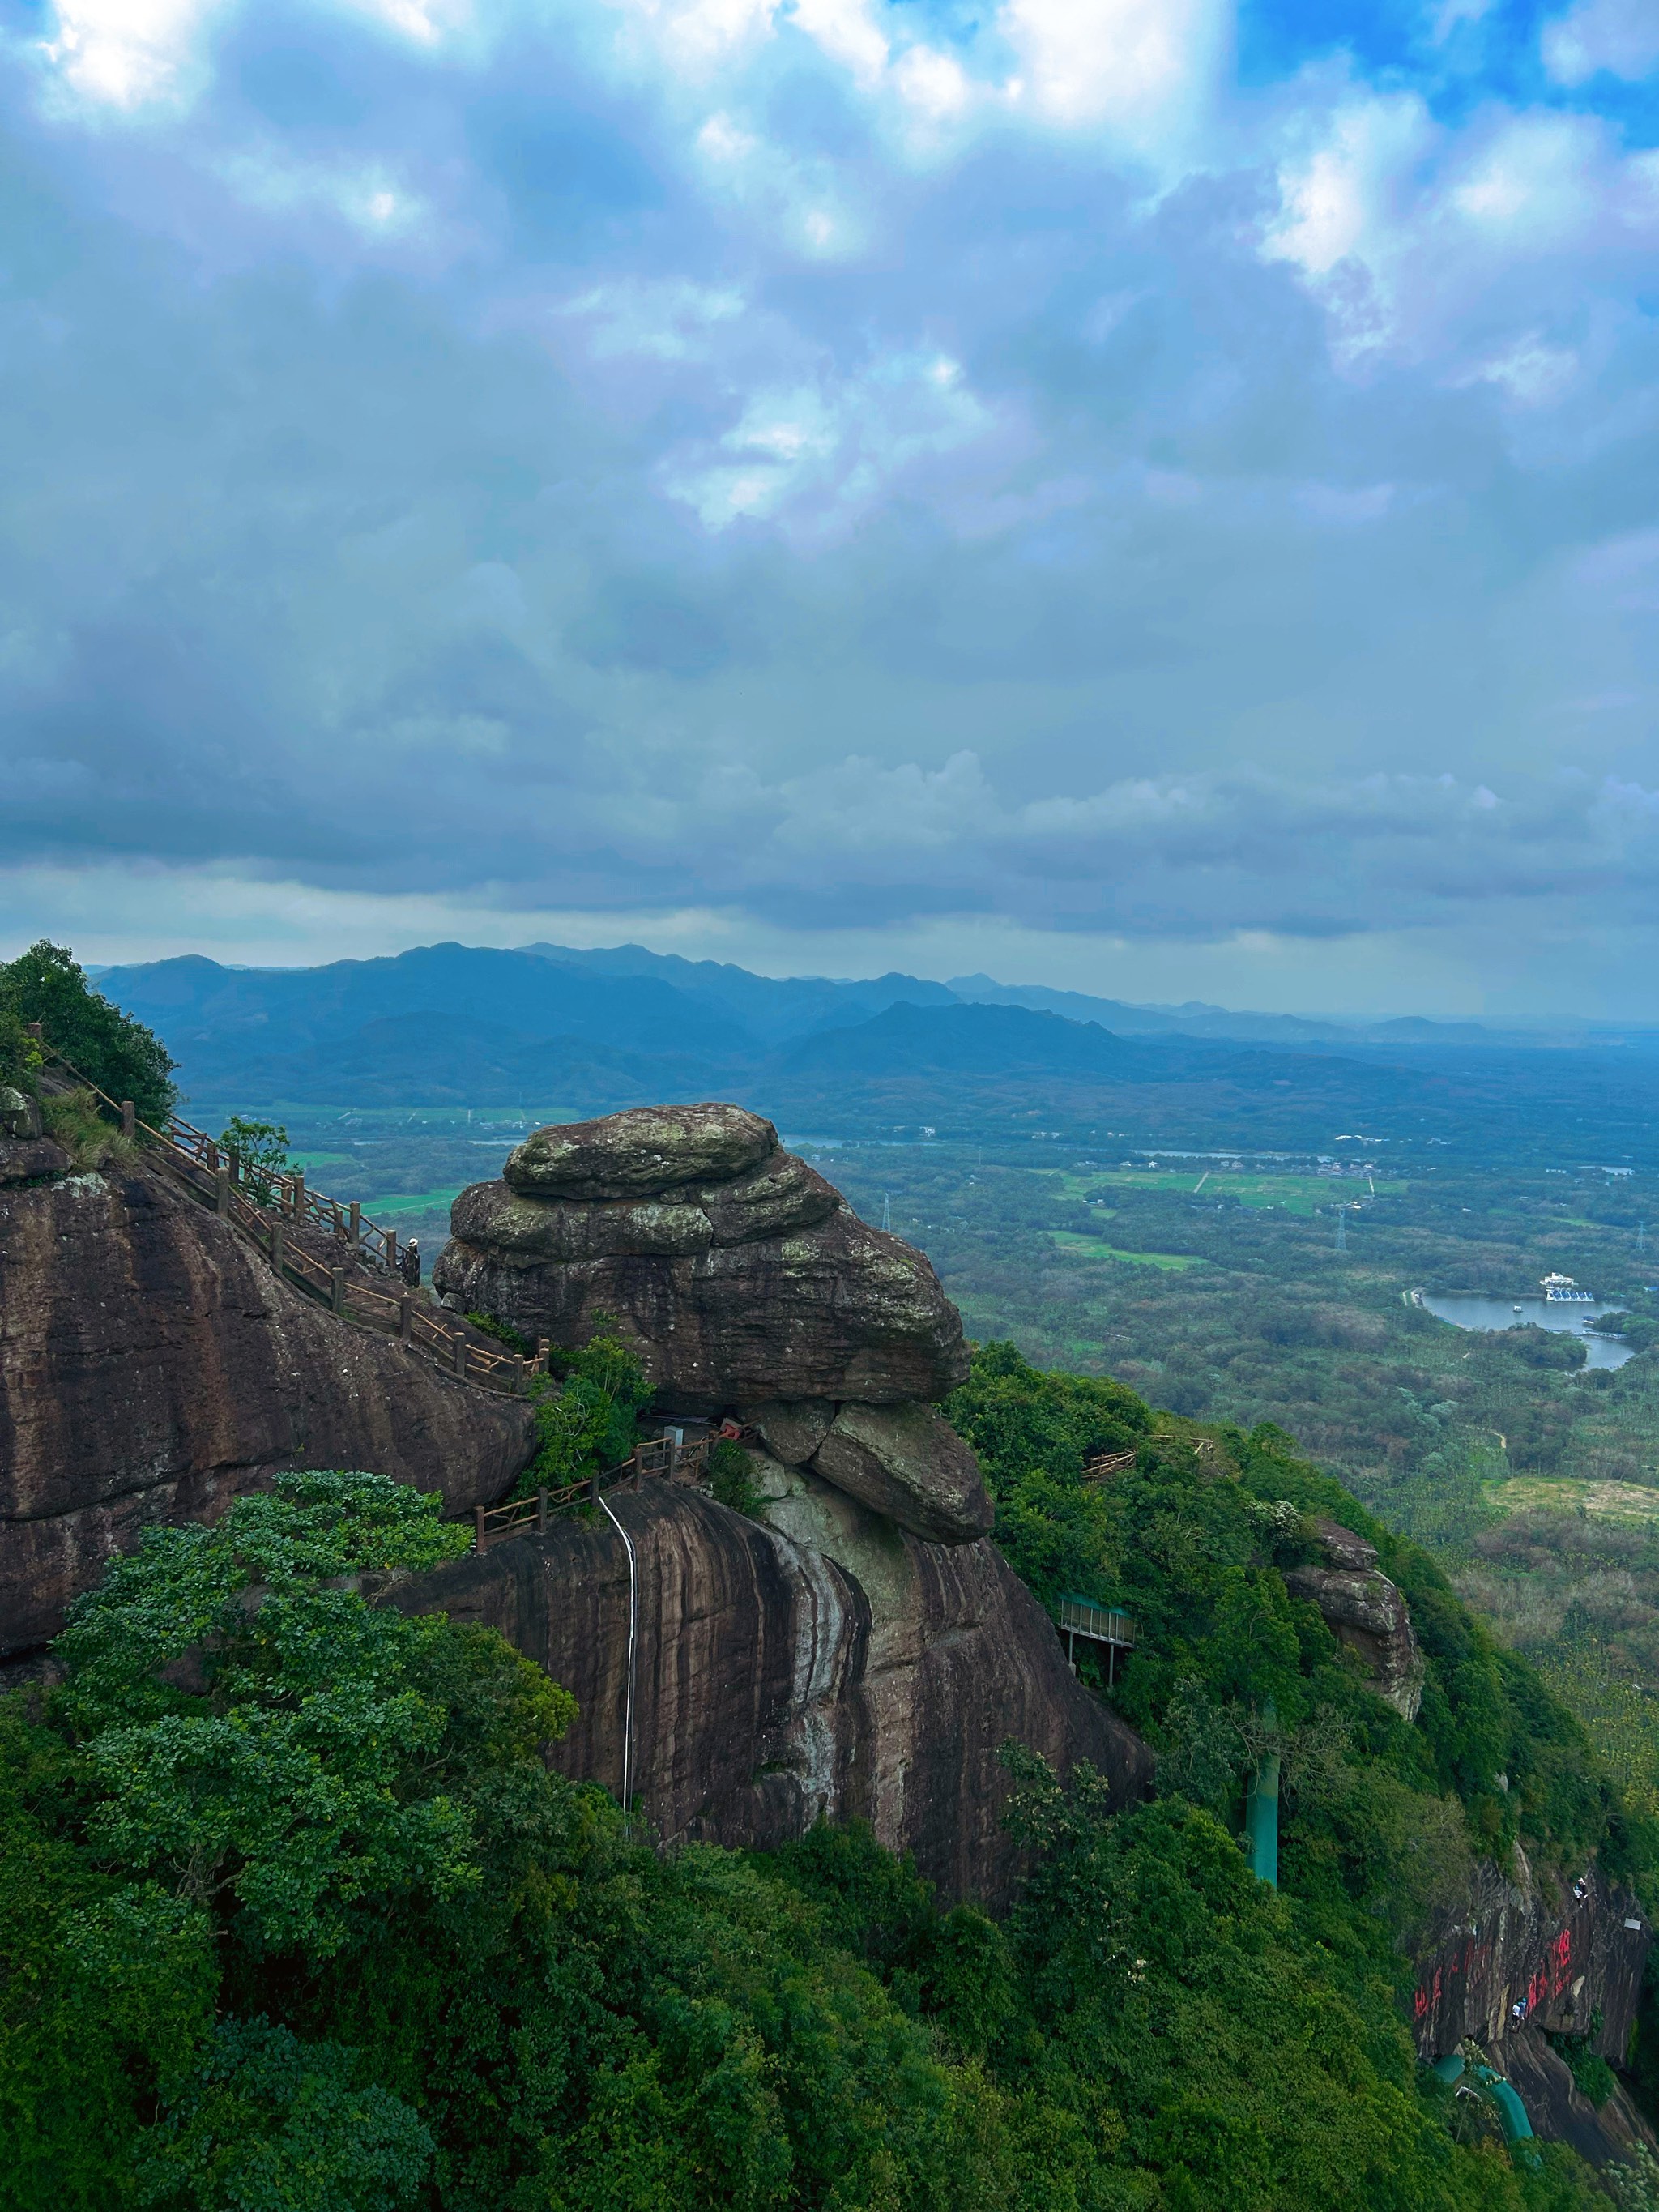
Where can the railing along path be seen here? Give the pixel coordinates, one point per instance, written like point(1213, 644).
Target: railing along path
point(269, 1209)
point(658, 1455)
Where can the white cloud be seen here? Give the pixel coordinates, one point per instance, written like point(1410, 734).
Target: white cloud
point(1619, 36)
point(123, 53)
point(1144, 70)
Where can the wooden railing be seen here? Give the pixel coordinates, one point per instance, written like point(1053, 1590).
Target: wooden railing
point(657, 1456)
point(217, 1179)
point(1097, 1470)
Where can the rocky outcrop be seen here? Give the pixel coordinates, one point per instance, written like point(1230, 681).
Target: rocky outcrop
point(731, 1266)
point(823, 1663)
point(151, 1366)
point(26, 1153)
point(1517, 1964)
point(1365, 1611)
point(907, 1462)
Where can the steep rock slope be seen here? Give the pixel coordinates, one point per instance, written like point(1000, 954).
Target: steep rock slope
point(823, 1663)
point(151, 1366)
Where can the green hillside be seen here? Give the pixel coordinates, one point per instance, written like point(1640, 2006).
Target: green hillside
point(307, 1922)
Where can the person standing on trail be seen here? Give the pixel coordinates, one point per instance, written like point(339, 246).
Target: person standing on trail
point(409, 1263)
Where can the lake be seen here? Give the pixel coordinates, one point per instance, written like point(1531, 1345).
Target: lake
point(1466, 1310)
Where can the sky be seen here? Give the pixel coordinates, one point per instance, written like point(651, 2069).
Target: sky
point(1153, 496)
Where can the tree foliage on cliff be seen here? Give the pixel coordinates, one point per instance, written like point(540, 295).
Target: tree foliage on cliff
point(293, 1915)
point(108, 1048)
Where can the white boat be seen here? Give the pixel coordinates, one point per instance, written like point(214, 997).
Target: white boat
point(1562, 1290)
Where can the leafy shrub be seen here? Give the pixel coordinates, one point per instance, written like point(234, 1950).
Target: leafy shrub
point(20, 1055)
point(263, 2119)
point(587, 1423)
point(260, 1151)
point(108, 1048)
point(732, 1479)
point(512, 1338)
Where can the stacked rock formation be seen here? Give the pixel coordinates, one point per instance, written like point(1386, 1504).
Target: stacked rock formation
point(1365, 1611)
point(744, 1284)
point(865, 1650)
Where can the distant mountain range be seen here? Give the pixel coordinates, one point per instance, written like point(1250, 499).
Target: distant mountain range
point(551, 1030)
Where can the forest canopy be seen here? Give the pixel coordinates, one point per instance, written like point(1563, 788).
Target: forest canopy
point(293, 1912)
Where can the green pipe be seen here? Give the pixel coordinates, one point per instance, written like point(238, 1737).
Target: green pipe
point(1261, 1810)
point(1511, 2112)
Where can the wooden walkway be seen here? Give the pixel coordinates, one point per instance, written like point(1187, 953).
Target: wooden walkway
point(273, 1211)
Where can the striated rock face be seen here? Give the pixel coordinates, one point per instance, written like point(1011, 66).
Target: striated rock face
point(1365, 1610)
point(151, 1366)
point(1515, 1964)
point(826, 1662)
point(731, 1266)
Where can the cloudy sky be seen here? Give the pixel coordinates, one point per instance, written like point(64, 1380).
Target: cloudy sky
point(1145, 495)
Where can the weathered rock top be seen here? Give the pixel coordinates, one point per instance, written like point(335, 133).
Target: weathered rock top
point(642, 1151)
point(731, 1266)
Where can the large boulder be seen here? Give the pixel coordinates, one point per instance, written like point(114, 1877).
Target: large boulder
point(731, 1266)
point(907, 1462)
point(648, 1148)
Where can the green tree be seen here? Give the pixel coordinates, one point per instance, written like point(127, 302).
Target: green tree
point(110, 1048)
point(586, 1423)
point(263, 2122)
point(260, 1151)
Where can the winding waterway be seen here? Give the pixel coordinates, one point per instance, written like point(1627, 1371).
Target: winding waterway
point(1465, 1310)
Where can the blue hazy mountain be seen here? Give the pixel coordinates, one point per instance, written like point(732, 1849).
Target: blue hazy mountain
point(548, 1030)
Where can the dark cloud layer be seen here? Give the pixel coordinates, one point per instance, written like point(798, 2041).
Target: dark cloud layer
point(537, 455)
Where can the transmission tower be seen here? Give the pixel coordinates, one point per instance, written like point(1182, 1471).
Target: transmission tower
point(1341, 1229)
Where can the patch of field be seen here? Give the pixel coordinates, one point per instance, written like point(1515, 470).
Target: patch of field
point(1604, 1501)
point(1621, 1716)
point(1092, 1247)
point(395, 1207)
point(1290, 1194)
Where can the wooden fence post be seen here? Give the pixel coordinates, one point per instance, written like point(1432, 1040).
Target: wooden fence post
point(543, 1346)
point(277, 1247)
point(392, 1251)
point(211, 1157)
point(541, 1513)
point(221, 1190)
point(128, 1119)
point(356, 1219)
point(478, 1527)
point(297, 1193)
point(405, 1317)
point(337, 1289)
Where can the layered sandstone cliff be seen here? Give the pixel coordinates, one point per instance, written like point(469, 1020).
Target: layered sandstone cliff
point(151, 1366)
point(823, 1663)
